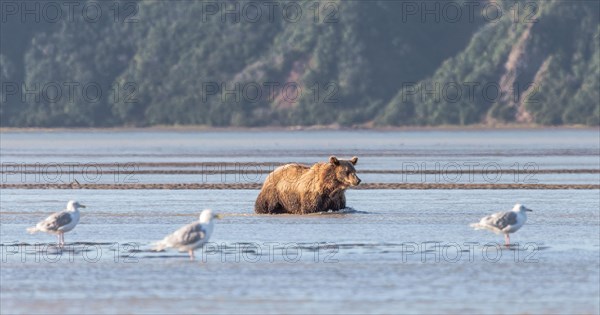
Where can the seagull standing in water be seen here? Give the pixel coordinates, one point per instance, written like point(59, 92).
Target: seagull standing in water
point(60, 222)
point(190, 237)
point(504, 222)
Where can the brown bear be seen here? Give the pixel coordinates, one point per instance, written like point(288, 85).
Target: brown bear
point(299, 189)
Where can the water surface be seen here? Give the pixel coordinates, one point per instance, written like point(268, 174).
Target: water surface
point(395, 251)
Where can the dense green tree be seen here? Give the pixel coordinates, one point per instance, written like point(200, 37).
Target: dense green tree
point(338, 62)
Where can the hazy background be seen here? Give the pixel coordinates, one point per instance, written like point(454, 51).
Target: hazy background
point(276, 63)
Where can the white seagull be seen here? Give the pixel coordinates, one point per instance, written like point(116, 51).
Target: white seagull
point(504, 222)
point(60, 222)
point(190, 237)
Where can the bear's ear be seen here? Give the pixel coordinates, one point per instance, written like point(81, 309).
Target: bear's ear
point(353, 160)
point(333, 160)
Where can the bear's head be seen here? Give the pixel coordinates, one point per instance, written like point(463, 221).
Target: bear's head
point(344, 170)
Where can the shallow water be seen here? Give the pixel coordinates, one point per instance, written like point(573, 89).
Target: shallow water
point(395, 251)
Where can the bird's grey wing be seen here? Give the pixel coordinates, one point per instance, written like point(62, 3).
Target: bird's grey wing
point(189, 234)
point(503, 219)
point(57, 220)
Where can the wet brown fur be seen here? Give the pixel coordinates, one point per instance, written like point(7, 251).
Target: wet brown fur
point(300, 189)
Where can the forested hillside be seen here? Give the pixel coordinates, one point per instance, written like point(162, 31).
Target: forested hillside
point(265, 63)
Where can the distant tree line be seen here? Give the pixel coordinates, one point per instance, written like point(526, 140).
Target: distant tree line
point(265, 63)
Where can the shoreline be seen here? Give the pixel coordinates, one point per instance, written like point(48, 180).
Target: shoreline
point(199, 128)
